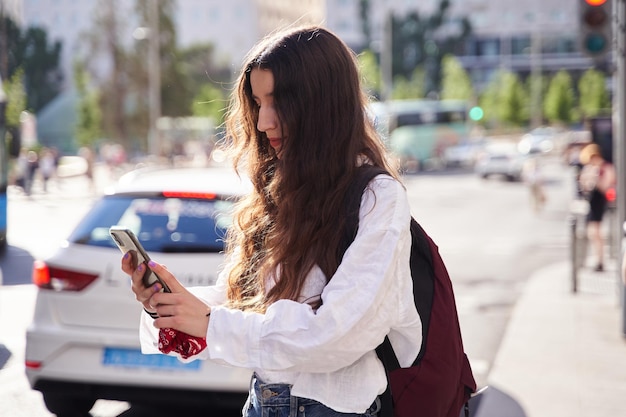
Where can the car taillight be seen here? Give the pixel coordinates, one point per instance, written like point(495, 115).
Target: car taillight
point(60, 279)
point(34, 365)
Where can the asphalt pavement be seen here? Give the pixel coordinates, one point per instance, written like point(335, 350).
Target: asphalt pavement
point(564, 352)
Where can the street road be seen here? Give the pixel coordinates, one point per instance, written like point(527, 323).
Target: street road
point(487, 233)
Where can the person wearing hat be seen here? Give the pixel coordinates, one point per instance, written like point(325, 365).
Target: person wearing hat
point(596, 178)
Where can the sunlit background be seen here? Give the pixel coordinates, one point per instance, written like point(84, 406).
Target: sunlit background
point(462, 92)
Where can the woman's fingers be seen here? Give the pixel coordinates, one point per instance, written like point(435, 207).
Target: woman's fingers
point(166, 276)
point(179, 309)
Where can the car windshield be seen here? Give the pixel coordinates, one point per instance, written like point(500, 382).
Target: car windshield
point(161, 224)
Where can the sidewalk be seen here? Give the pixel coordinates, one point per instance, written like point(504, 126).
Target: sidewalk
point(563, 353)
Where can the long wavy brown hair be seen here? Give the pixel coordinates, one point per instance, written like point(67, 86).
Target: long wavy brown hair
point(290, 221)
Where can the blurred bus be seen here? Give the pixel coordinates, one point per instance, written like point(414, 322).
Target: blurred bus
point(419, 131)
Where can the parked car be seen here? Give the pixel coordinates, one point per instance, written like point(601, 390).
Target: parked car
point(538, 140)
point(83, 342)
point(463, 154)
point(501, 159)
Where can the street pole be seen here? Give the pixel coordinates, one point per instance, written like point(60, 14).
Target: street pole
point(386, 57)
point(536, 87)
point(619, 136)
point(154, 77)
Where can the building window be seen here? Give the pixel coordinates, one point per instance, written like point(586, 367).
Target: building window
point(520, 45)
point(488, 47)
point(558, 45)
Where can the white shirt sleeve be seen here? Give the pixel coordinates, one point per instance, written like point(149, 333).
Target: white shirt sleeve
point(363, 301)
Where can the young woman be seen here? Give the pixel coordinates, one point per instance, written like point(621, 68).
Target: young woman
point(287, 305)
point(597, 177)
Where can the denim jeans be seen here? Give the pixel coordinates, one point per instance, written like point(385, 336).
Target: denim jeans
point(275, 400)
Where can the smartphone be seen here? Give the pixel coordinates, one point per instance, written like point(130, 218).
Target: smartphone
point(126, 240)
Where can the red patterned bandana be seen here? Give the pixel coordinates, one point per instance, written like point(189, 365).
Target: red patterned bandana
point(171, 340)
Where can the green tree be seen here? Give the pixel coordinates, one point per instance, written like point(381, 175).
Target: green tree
point(210, 102)
point(200, 67)
point(514, 104)
point(455, 83)
point(537, 86)
point(103, 42)
point(370, 72)
point(176, 96)
point(11, 52)
point(424, 41)
point(16, 98)
point(41, 68)
point(412, 88)
point(593, 95)
point(559, 101)
point(16, 104)
point(89, 118)
point(505, 100)
point(30, 51)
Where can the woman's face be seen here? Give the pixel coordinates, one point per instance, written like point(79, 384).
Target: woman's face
point(262, 83)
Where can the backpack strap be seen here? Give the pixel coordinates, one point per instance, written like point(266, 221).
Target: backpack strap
point(364, 175)
point(385, 353)
point(352, 204)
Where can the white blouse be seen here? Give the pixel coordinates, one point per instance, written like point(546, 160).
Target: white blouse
point(328, 355)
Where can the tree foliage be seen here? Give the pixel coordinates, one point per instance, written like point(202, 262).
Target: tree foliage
point(593, 94)
point(176, 96)
point(424, 41)
point(210, 102)
point(505, 100)
point(456, 82)
point(31, 52)
point(104, 43)
point(412, 88)
point(16, 104)
point(89, 117)
point(16, 98)
point(370, 72)
point(559, 101)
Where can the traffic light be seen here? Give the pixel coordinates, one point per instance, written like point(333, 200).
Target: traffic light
point(595, 26)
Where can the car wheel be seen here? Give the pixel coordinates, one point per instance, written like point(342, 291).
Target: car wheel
point(68, 405)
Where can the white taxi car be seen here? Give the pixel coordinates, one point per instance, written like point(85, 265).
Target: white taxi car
point(83, 342)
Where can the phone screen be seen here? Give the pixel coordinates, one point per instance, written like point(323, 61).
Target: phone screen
point(126, 241)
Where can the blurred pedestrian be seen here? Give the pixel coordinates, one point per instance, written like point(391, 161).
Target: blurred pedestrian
point(47, 166)
point(596, 178)
point(21, 169)
point(32, 166)
point(87, 154)
point(287, 305)
point(533, 177)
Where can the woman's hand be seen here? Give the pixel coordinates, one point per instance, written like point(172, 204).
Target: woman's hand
point(178, 310)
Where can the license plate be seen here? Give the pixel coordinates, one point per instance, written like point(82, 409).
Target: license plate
point(133, 358)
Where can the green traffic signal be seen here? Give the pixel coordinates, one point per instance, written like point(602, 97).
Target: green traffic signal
point(476, 113)
point(595, 43)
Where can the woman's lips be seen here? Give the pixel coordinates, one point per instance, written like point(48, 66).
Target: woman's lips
point(275, 142)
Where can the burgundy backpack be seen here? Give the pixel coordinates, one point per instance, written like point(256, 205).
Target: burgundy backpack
point(440, 381)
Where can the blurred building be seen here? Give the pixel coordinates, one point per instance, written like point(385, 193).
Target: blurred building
point(531, 36)
point(511, 34)
point(522, 36)
point(12, 8)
